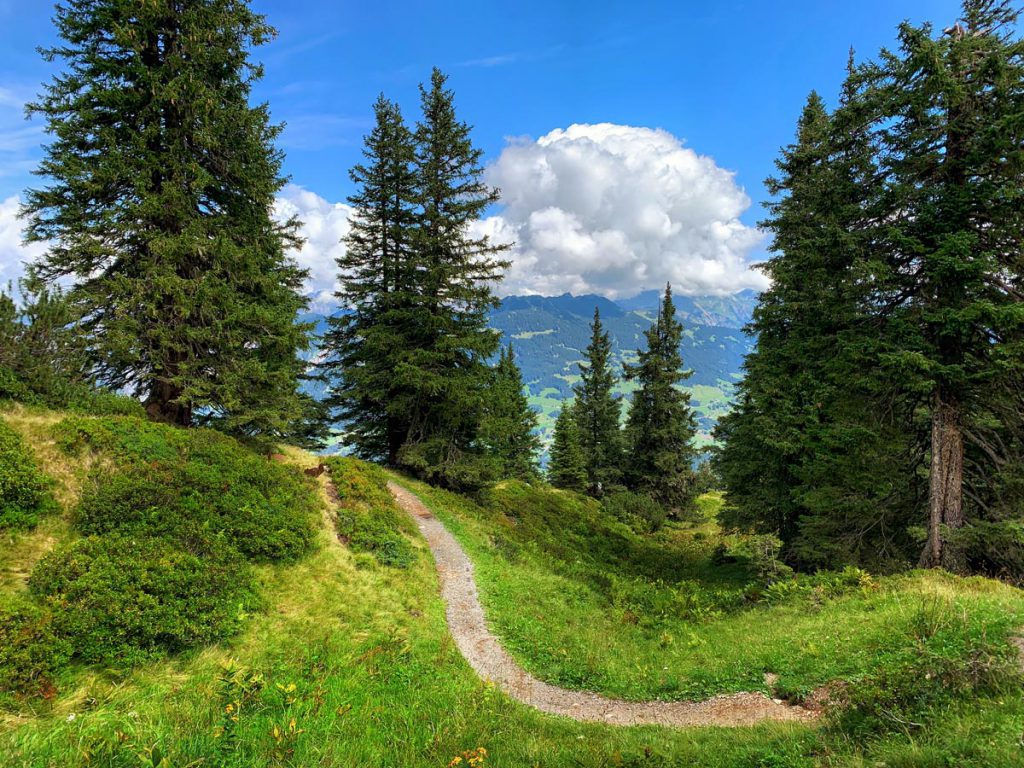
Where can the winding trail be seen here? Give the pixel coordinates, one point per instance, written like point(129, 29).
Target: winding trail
point(493, 663)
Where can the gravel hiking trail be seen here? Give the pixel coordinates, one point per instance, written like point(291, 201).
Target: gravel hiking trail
point(490, 660)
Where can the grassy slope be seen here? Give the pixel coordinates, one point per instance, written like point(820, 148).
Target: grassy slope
point(559, 622)
point(376, 681)
point(355, 667)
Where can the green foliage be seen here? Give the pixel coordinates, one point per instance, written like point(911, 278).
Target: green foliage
point(637, 510)
point(949, 659)
point(31, 650)
point(567, 468)
point(123, 599)
point(42, 355)
point(408, 364)
point(661, 425)
point(160, 182)
point(884, 394)
point(508, 430)
point(189, 485)
point(597, 412)
point(24, 490)
point(369, 520)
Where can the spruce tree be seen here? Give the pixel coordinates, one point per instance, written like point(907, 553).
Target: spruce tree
point(806, 453)
point(509, 428)
point(368, 340)
point(598, 412)
point(567, 467)
point(661, 424)
point(949, 109)
point(445, 375)
point(160, 185)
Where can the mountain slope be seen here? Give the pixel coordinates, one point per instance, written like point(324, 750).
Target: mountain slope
point(550, 334)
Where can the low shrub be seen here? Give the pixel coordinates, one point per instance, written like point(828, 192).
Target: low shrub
point(125, 599)
point(368, 519)
point(31, 651)
point(24, 490)
point(637, 510)
point(185, 484)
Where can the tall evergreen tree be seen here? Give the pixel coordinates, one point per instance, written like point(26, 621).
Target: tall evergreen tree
point(661, 424)
point(366, 343)
point(896, 312)
point(949, 112)
point(598, 412)
point(806, 453)
point(567, 466)
point(508, 430)
point(445, 375)
point(161, 182)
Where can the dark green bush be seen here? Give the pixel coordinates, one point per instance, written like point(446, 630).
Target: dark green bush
point(31, 651)
point(185, 484)
point(369, 520)
point(24, 490)
point(124, 599)
point(637, 510)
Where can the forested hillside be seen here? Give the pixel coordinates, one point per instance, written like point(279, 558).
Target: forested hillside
point(550, 334)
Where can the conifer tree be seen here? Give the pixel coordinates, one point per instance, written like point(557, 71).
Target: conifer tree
point(445, 374)
point(567, 466)
point(597, 412)
point(805, 453)
point(366, 343)
point(160, 184)
point(508, 431)
point(949, 108)
point(661, 424)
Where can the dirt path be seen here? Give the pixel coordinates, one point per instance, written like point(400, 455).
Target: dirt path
point(490, 660)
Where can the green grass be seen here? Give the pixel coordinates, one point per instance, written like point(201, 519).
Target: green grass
point(357, 656)
point(351, 664)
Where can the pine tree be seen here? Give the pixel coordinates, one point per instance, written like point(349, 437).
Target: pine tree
point(598, 412)
point(161, 181)
point(661, 424)
point(805, 453)
point(445, 375)
point(949, 108)
point(509, 428)
point(367, 342)
point(567, 467)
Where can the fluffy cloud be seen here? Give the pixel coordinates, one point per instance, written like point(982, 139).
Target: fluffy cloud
point(13, 254)
point(614, 209)
point(324, 224)
point(607, 209)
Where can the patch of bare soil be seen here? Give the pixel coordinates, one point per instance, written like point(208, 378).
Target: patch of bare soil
point(490, 660)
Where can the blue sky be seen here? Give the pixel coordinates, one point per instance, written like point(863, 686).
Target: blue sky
point(725, 80)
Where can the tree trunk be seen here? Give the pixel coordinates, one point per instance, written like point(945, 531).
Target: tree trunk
point(945, 492)
point(164, 402)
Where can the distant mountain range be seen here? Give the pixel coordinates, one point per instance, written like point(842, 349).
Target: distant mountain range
point(549, 334)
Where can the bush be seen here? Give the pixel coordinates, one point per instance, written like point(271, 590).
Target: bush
point(125, 599)
point(189, 484)
point(24, 490)
point(637, 510)
point(369, 520)
point(31, 651)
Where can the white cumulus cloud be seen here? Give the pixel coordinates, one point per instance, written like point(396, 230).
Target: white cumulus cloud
point(607, 209)
point(13, 253)
point(324, 224)
point(615, 209)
